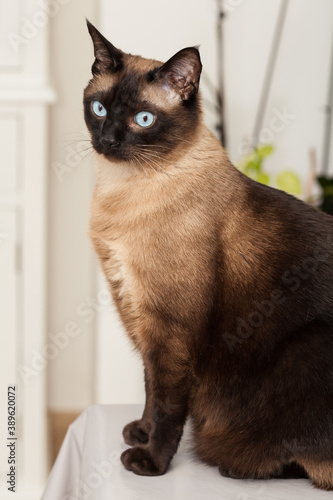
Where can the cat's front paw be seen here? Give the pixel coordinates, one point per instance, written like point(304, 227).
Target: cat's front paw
point(140, 461)
point(135, 433)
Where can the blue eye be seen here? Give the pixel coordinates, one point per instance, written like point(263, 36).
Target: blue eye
point(98, 109)
point(144, 118)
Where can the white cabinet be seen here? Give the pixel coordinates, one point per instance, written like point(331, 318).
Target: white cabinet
point(9, 124)
point(24, 99)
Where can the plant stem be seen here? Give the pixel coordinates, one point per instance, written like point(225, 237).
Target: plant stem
point(328, 122)
point(220, 93)
point(270, 71)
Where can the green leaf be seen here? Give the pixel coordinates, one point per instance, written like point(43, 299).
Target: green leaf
point(254, 160)
point(253, 165)
point(289, 182)
point(263, 179)
point(252, 174)
point(264, 150)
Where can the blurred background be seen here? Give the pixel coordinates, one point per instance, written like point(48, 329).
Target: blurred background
point(267, 88)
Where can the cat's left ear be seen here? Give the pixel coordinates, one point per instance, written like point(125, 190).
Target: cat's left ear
point(182, 72)
point(107, 57)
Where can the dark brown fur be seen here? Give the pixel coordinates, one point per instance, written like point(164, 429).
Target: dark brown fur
point(225, 286)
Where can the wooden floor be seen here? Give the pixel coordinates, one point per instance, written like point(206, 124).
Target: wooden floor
point(58, 425)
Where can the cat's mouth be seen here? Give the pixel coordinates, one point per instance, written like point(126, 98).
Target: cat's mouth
point(112, 150)
point(115, 156)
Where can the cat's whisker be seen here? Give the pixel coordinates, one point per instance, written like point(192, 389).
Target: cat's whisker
point(84, 153)
point(181, 139)
point(88, 153)
point(141, 166)
point(159, 159)
point(75, 145)
point(152, 155)
point(146, 161)
point(157, 146)
point(88, 148)
point(75, 141)
point(150, 162)
point(147, 155)
point(77, 134)
point(152, 152)
point(153, 145)
point(156, 154)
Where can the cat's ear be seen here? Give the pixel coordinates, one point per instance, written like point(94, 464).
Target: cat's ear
point(107, 57)
point(182, 72)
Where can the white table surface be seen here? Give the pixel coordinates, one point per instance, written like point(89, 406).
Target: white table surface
point(88, 467)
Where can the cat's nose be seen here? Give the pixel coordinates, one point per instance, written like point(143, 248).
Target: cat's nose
point(109, 142)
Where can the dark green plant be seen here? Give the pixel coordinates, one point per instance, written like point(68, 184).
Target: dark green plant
point(326, 184)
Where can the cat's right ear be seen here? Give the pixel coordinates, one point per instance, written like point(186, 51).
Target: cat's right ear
point(182, 72)
point(108, 59)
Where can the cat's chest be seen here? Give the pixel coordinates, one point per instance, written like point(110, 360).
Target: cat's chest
point(145, 244)
point(118, 269)
point(126, 270)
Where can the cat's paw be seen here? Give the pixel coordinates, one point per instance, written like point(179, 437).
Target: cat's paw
point(134, 433)
point(140, 461)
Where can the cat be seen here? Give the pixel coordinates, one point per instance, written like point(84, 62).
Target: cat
point(224, 285)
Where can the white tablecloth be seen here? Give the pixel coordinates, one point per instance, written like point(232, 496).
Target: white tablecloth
point(88, 468)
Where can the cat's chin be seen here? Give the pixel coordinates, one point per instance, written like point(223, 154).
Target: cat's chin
point(117, 158)
point(115, 155)
point(112, 175)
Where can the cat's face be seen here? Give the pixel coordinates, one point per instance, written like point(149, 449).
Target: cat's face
point(140, 110)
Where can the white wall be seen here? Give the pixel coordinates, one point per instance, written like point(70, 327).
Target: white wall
point(71, 260)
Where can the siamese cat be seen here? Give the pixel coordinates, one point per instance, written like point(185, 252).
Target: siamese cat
point(224, 286)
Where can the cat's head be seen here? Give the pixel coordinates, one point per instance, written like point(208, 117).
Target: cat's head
point(141, 110)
